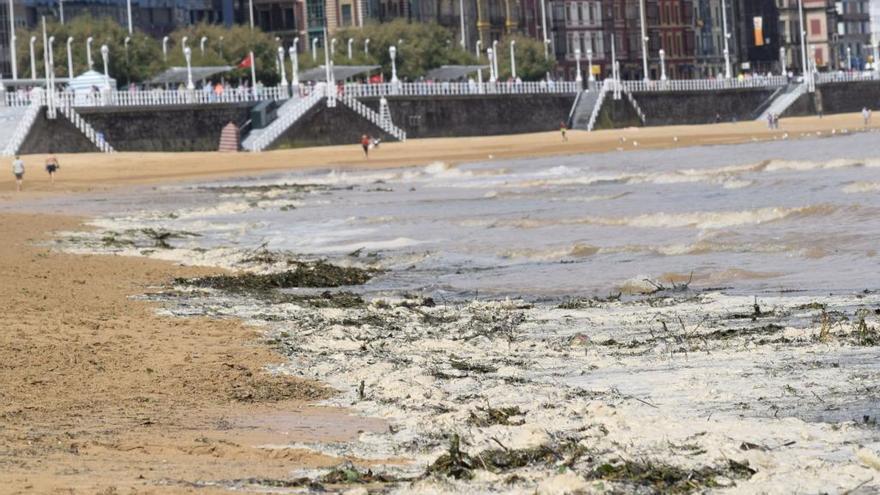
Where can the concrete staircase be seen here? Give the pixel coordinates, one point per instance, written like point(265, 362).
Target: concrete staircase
point(783, 100)
point(582, 114)
point(381, 120)
point(88, 131)
point(15, 123)
point(287, 115)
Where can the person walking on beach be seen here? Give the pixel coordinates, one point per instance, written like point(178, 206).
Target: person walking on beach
point(18, 172)
point(866, 116)
point(365, 144)
point(52, 166)
point(562, 129)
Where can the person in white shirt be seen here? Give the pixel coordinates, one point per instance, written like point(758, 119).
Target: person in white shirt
point(18, 171)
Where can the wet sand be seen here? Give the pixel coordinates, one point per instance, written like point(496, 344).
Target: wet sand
point(100, 393)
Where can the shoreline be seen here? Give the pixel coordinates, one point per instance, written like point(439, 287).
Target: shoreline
point(96, 172)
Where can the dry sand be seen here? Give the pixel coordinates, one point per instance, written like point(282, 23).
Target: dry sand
point(99, 394)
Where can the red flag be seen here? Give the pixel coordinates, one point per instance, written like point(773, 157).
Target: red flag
point(376, 78)
point(246, 62)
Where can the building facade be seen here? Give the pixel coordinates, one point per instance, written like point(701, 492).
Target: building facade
point(853, 34)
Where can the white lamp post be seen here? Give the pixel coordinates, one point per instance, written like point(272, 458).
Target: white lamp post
point(105, 54)
point(51, 62)
point(848, 58)
point(480, 70)
point(461, 21)
point(544, 29)
point(874, 48)
point(392, 51)
point(294, 63)
point(251, 11)
point(782, 60)
point(33, 59)
point(314, 48)
point(89, 52)
point(12, 54)
point(61, 10)
point(513, 59)
point(727, 69)
point(662, 64)
point(165, 49)
point(332, 48)
point(495, 59)
point(590, 76)
point(187, 54)
point(283, 70)
point(803, 38)
point(367, 46)
point(183, 45)
point(125, 43)
point(220, 46)
point(130, 28)
point(350, 42)
point(491, 56)
point(644, 40)
point(577, 61)
point(202, 44)
point(69, 57)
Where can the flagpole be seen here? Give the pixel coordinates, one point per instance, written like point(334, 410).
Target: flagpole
point(253, 75)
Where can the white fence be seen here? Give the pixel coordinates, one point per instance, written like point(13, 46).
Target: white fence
point(833, 77)
point(705, 84)
point(459, 88)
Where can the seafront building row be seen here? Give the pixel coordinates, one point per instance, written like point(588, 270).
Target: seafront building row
point(696, 38)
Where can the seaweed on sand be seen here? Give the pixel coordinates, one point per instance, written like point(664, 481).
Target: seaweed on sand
point(161, 237)
point(489, 416)
point(304, 274)
point(664, 478)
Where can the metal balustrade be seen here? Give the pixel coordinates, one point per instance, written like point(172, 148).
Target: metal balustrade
point(88, 131)
point(295, 109)
point(836, 77)
point(457, 88)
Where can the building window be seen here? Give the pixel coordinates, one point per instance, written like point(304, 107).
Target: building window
point(815, 26)
point(346, 14)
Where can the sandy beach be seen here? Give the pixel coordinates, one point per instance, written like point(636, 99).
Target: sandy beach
point(102, 394)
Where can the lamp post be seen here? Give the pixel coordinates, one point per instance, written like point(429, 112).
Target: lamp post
point(544, 29)
point(367, 46)
point(461, 22)
point(69, 57)
point(220, 46)
point(332, 48)
point(350, 42)
point(782, 71)
point(130, 28)
point(283, 70)
point(577, 61)
point(727, 69)
point(314, 48)
point(803, 38)
point(105, 54)
point(33, 59)
point(495, 58)
point(644, 40)
point(165, 49)
point(294, 64)
point(61, 11)
point(125, 43)
point(12, 54)
point(183, 45)
point(202, 45)
point(513, 59)
point(51, 56)
point(187, 54)
point(662, 64)
point(490, 54)
point(590, 76)
point(848, 58)
point(480, 70)
point(874, 48)
point(392, 52)
point(89, 52)
point(251, 11)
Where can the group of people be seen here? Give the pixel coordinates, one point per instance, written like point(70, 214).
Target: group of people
point(52, 166)
point(772, 121)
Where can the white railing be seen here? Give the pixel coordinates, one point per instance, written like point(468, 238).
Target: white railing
point(635, 105)
point(704, 84)
point(97, 139)
point(285, 118)
point(457, 88)
point(834, 77)
point(374, 117)
point(22, 129)
point(597, 107)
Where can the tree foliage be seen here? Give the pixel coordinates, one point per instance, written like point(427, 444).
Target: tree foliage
point(530, 62)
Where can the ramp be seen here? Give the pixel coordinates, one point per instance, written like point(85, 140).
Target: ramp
point(783, 100)
point(287, 115)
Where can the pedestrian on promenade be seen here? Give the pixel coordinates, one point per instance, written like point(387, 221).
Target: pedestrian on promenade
point(365, 143)
point(18, 172)
point(52, 166)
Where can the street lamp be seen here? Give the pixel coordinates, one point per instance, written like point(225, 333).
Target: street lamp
point(88, 52)
point(105, 54)
point(490, 54)
point(294, 63)
point(183, 45)
point(662, 64)
point(12, 54)
point(202, 44)
point(392, 51)
point(803, 38)
point(332, 47)
point(644, 40)
point(220, 46)
point(848, 58)
point(544, 29)
point(165, 49)
point(187, 54)
point(480, 70)
point(130, 29)
point(495, 59)
point(590, 76)
point(577, 60)
point(350, 41)
point(314, 48)
point(513, 59)
point(50, 74)
point(727, 69)
point(69, 57)
point(283, 71)
point(367, 46)
point(782, 60)
point(33, 59)
point(125, 43)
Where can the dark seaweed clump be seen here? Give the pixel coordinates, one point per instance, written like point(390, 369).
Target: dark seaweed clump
point(304, 274)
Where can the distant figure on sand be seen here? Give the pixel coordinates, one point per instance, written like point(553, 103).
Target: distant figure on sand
point(562, 129)
point(52, 166)
point(18, 172)
point(866, 116)
point(365, 143)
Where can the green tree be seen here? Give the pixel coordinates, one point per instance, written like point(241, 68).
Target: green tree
point(530, 62)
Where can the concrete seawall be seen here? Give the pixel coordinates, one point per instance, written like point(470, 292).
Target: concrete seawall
point(197, 128)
